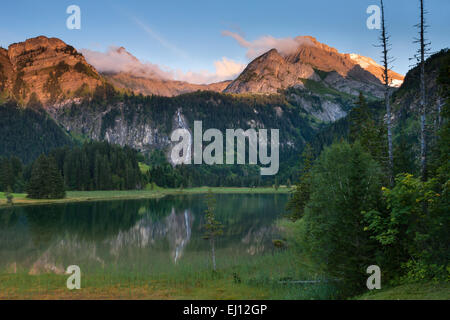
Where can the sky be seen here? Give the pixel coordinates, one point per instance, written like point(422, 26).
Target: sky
point(207, 40)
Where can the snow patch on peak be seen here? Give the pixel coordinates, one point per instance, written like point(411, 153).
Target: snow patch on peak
point(396, 83)
point(364, 62)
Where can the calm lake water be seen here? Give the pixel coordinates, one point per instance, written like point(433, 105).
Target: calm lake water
point(140, 236)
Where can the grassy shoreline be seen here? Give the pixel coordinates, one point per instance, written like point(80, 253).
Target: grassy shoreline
point(410, 291)
point(86, 196)
point(199, 286)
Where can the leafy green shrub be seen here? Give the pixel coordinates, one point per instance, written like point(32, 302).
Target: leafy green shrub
point(413, 230)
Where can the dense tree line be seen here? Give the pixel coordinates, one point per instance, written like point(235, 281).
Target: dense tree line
point(99, 166)
point(348, 215)
point(92, 166)
point(163, 174)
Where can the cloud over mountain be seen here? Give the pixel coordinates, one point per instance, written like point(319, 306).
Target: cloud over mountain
point(263, 44)
point(118, 60)
point(225, 69)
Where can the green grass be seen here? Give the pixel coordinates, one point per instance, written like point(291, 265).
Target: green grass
point(249, 278)
point(321, 89)
point(256, 277)
point(79, 196)
point(413, 291)
point(144, 167)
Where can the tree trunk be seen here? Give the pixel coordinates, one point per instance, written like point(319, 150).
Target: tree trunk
point(389, 135)
point(384, 44)
point(423, 118)
point(213, 251)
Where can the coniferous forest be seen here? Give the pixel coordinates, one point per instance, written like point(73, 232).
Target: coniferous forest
point(92, 166)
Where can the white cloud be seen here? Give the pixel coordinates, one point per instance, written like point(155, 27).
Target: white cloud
point(262, 45)
point(117, 59)
point(225, 69)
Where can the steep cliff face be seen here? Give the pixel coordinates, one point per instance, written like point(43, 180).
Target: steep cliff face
point(312, 60)
point(47, 67)
point(6, 70)
point(145, 123)
point(117, 125)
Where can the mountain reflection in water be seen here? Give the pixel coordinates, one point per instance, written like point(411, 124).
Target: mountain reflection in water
point(133, 235)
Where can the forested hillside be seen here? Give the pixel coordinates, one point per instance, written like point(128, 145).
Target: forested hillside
point(28, 132)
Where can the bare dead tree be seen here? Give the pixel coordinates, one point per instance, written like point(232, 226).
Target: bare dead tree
point(385, 45)
point(420, 57)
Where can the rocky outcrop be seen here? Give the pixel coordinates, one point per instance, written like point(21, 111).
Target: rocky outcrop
point(47, 67)
point(6, 70)
point(321, 108)
point(374, 68)
point(350, 85)
point(140, 134)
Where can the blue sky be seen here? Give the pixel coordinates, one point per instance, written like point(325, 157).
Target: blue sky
point(187, 35)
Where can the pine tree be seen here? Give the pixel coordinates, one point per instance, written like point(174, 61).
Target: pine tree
point(7, 178)
point(359, 119)
point(17, 166)
point(364, 129)
point(302, 191)
point(55, 180)
point(37, 186)
point(46, 181)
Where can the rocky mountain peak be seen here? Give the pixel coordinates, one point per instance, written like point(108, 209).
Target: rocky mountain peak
point(311, 60)
point(3, 51)
point(47, 67)
point(16, 50)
